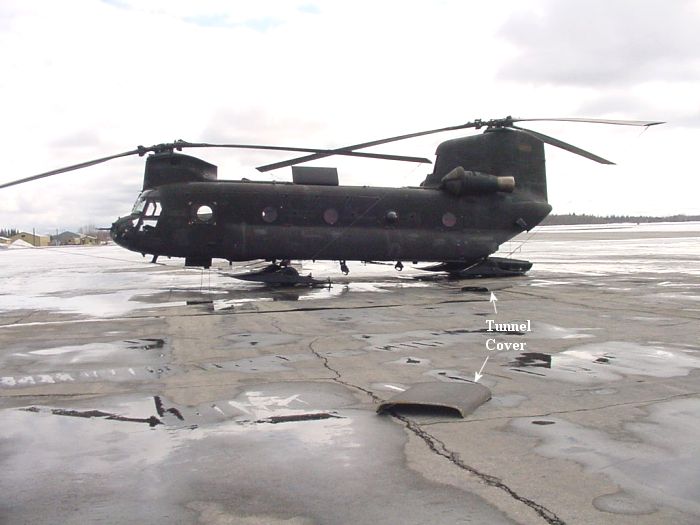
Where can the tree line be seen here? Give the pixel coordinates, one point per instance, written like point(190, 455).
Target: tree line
point(583, 218)
point(8, 232)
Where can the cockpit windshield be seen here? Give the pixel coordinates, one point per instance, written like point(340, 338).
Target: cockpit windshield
point(147, 210)
point(139, 205)
point(147, 205)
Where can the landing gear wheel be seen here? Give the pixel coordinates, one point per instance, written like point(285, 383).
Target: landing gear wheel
point(344, 268)
point(398, 266)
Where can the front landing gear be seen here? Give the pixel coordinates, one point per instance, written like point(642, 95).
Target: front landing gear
point(344, 268)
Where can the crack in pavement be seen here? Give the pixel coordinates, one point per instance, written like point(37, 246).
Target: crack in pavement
point(338, 378)
point(152, 421)
point(439, 448)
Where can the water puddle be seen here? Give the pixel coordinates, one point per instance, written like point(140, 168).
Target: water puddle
point(410, 361)
point(622, 503)
point(262, 339)
point(284, 442)
point(653, 468)
point(135, 360)
point(609, 361)
point(138, 359)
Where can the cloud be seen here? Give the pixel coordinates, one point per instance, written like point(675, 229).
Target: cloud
point(121, 4)
point(84, 138)
point(221, 13)
point(95, 78)
point(310, 8)
point(602, 43)
point(209, 20)
point(257, 125)
point(261, 24)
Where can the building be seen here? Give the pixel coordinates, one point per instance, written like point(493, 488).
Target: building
point(68, 238)
point(89, 240)
point(33, 239)
point(65, 238)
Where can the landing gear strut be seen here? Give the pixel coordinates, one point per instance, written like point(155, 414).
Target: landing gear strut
point(344, 268)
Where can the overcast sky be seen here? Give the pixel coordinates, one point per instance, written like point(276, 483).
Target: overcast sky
point(89, 78)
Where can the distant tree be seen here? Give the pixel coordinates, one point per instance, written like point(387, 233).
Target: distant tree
point(88, 229)
point(8, 232)
point(91, 230)
point(103, 236)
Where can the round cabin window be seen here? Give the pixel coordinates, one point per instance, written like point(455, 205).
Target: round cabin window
point(449, 219)
point(330, 216)
point(269, 214)
point(204, 213)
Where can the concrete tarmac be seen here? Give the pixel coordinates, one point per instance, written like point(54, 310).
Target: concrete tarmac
point(132, 392)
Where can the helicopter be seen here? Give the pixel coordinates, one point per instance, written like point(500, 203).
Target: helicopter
point(484, 190)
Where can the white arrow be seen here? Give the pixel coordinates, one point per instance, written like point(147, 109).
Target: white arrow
point(493, 300)
point(477, 375)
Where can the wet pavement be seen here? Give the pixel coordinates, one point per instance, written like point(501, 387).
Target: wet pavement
point(134, 392)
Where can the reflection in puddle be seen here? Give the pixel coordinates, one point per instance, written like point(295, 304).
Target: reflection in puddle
point(296, 441)
point(609, 361)
point(138, 359)
point(535, 359)
point(108, 281)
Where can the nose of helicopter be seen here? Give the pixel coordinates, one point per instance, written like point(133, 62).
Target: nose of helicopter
point(121, 231)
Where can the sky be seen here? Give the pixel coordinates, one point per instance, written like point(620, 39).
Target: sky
point(84, 79)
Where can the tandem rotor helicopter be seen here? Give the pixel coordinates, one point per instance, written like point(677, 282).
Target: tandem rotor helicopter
point(484, 190)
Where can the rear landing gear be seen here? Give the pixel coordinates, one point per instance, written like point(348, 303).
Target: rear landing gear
point(344, 268)
point(282, 274)
point(282, 264)
point(398, 266)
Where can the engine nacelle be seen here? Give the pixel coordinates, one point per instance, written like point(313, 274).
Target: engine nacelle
point(462, 182)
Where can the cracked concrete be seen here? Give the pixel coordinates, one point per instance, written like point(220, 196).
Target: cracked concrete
point(266, 407)
point(439, 448)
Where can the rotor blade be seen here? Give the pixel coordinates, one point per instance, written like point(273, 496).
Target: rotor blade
point(70, 168)
point(183, 144)
point(563, 145)
point(594, 121)
point(346, 149)
point(179, 144)
point(507, 121)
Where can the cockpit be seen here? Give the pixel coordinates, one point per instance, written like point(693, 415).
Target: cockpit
point(147, 204)
point(148, 208)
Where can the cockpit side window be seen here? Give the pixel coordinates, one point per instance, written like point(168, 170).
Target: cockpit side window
point(148, 208)
point(139, 205)
point(152, 208)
